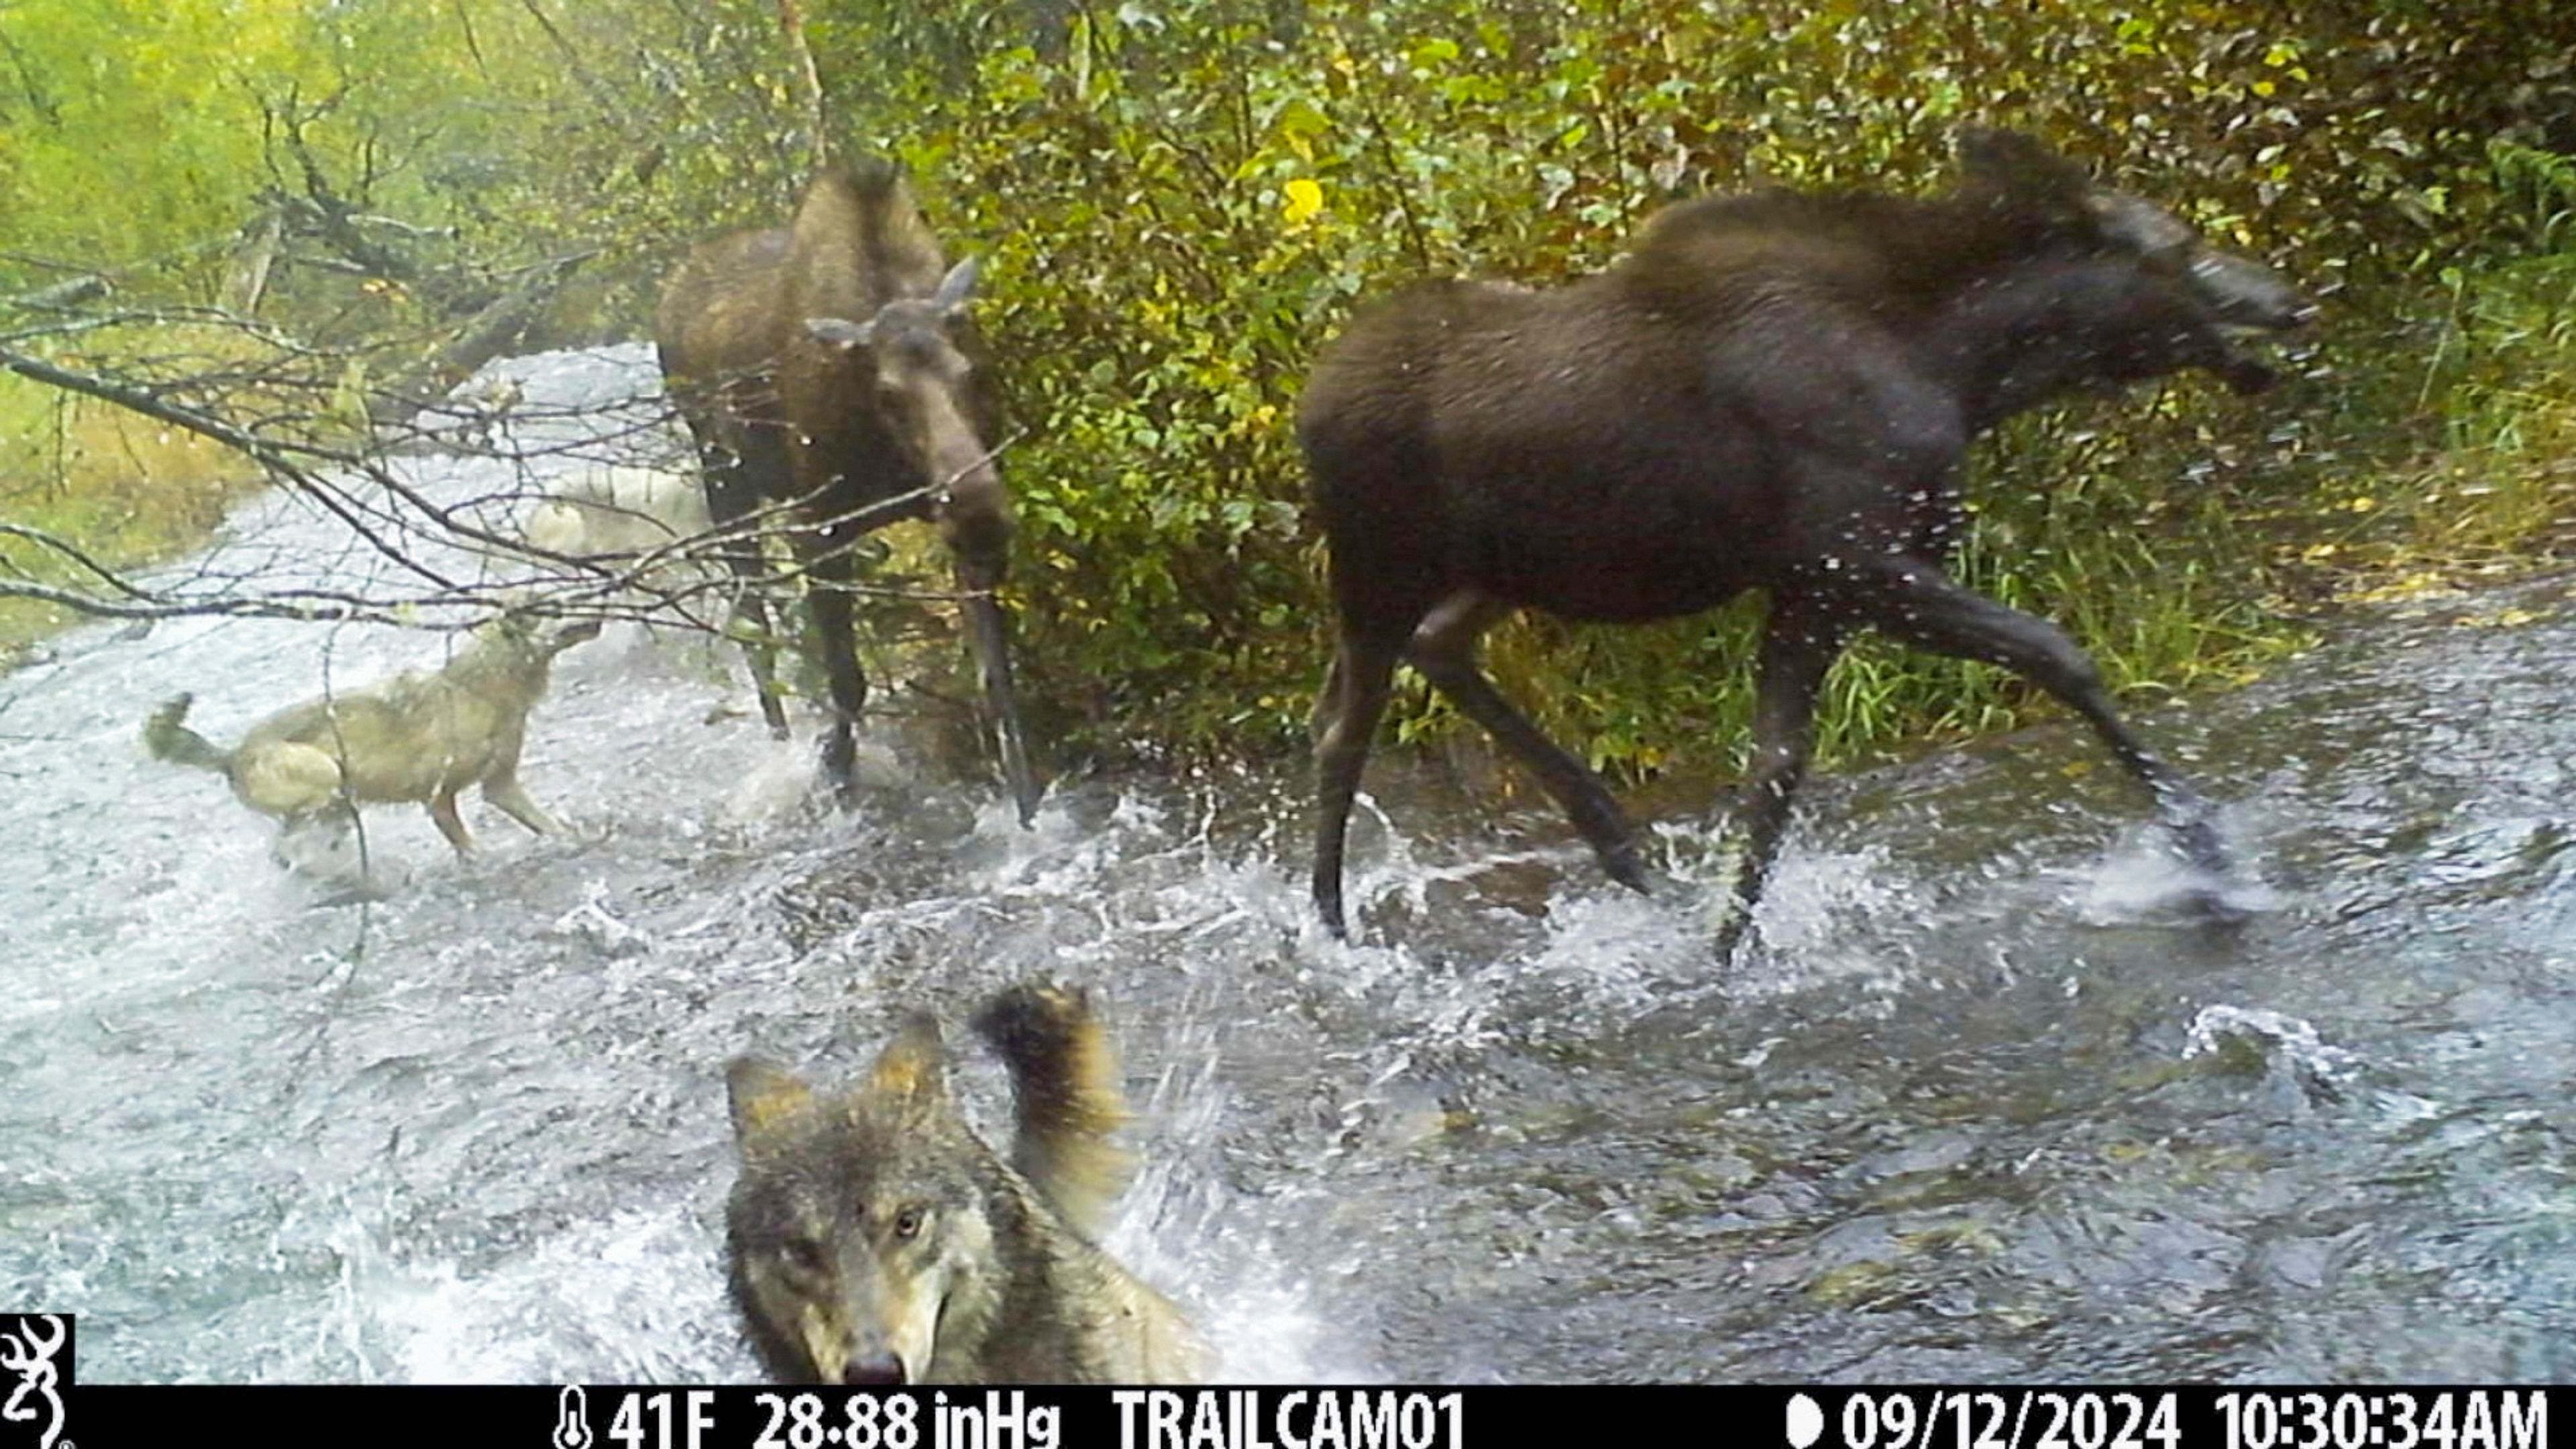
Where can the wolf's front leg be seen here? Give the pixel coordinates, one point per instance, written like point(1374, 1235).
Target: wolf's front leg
point(506, 792)
point(442, 808)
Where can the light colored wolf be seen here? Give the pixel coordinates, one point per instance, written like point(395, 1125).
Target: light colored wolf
point(420, 737)
point(609, 508)
point(873, 1238)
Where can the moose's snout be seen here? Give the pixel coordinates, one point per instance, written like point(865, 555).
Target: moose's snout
point(2244, 376)
point(2242, 295)
point(976, 522)
point(2241, 292)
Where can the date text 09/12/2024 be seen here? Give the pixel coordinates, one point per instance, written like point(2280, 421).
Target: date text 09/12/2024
point(2163, 1419)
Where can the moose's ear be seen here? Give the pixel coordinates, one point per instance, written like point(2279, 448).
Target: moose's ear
point(874, 175)
point(2140, 225)
point(763, 1094)
point(954, 288)
point(913, 1069)
point(840, 333)
point(2019, 166)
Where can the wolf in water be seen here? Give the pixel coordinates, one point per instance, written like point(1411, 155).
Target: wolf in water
point(420, 737)
point(619, 510)
point(873, 1237)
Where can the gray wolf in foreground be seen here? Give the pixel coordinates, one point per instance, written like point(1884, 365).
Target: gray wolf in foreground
point(416, 736)
point(873, 1238)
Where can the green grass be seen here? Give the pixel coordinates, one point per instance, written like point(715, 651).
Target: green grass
point(119, 487)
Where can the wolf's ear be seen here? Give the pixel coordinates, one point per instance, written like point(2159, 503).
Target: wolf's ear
point(516, 608)
point(913, 1068)
point(764, 1094)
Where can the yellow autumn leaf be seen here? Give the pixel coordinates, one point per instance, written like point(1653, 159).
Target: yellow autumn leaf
point(1304, 199)
point(2503, 619)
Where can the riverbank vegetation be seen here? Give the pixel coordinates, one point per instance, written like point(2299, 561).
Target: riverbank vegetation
point(1179, 200)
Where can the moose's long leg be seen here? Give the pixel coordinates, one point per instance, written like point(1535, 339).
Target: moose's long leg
point(1799, 643)
point(831, 568)
point(1916, 602)
point(759, 644)
point(1363, 669)
point(734, 492)
point(988, 636)
point(1444, 649)
point(1328, 701)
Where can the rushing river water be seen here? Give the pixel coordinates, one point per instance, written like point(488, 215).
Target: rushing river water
point(1975, 1111)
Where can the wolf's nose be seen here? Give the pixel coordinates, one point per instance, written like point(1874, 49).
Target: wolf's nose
point(877, 1371)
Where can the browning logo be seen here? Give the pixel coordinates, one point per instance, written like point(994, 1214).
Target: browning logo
point(36, 1350)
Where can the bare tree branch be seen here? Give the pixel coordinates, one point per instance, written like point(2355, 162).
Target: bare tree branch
point(435, 561)
point(68, 293)
point(489, 334)
point(791, 20)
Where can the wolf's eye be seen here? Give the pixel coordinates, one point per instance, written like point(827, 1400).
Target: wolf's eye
point(805, 1256)
point(907, 1224)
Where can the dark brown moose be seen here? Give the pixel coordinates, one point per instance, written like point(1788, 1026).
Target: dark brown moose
point(1772, 391)
point(828, 369)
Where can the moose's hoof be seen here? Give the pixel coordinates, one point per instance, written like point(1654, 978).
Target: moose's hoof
point(1328, 906)
point(1731, 931)
point(2196, 836)
point(1626, 867)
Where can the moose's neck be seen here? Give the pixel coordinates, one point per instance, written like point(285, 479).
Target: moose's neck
point(2013, 341)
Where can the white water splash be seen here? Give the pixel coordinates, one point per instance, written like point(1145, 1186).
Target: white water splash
point(2142, 881)
point(2283, 1040)
point(638, 1297)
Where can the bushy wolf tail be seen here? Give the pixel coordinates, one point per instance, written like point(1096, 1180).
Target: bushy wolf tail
point(1065, 1077)
point(168, 739)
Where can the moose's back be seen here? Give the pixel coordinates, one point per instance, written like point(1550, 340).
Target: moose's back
point(1577, 449)
point(719, 322)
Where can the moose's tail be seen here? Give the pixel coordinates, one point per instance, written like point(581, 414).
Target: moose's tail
point(171, 740)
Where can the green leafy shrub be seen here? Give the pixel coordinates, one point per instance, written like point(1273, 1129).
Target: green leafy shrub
point(1180, 200)
point(1184, 198)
